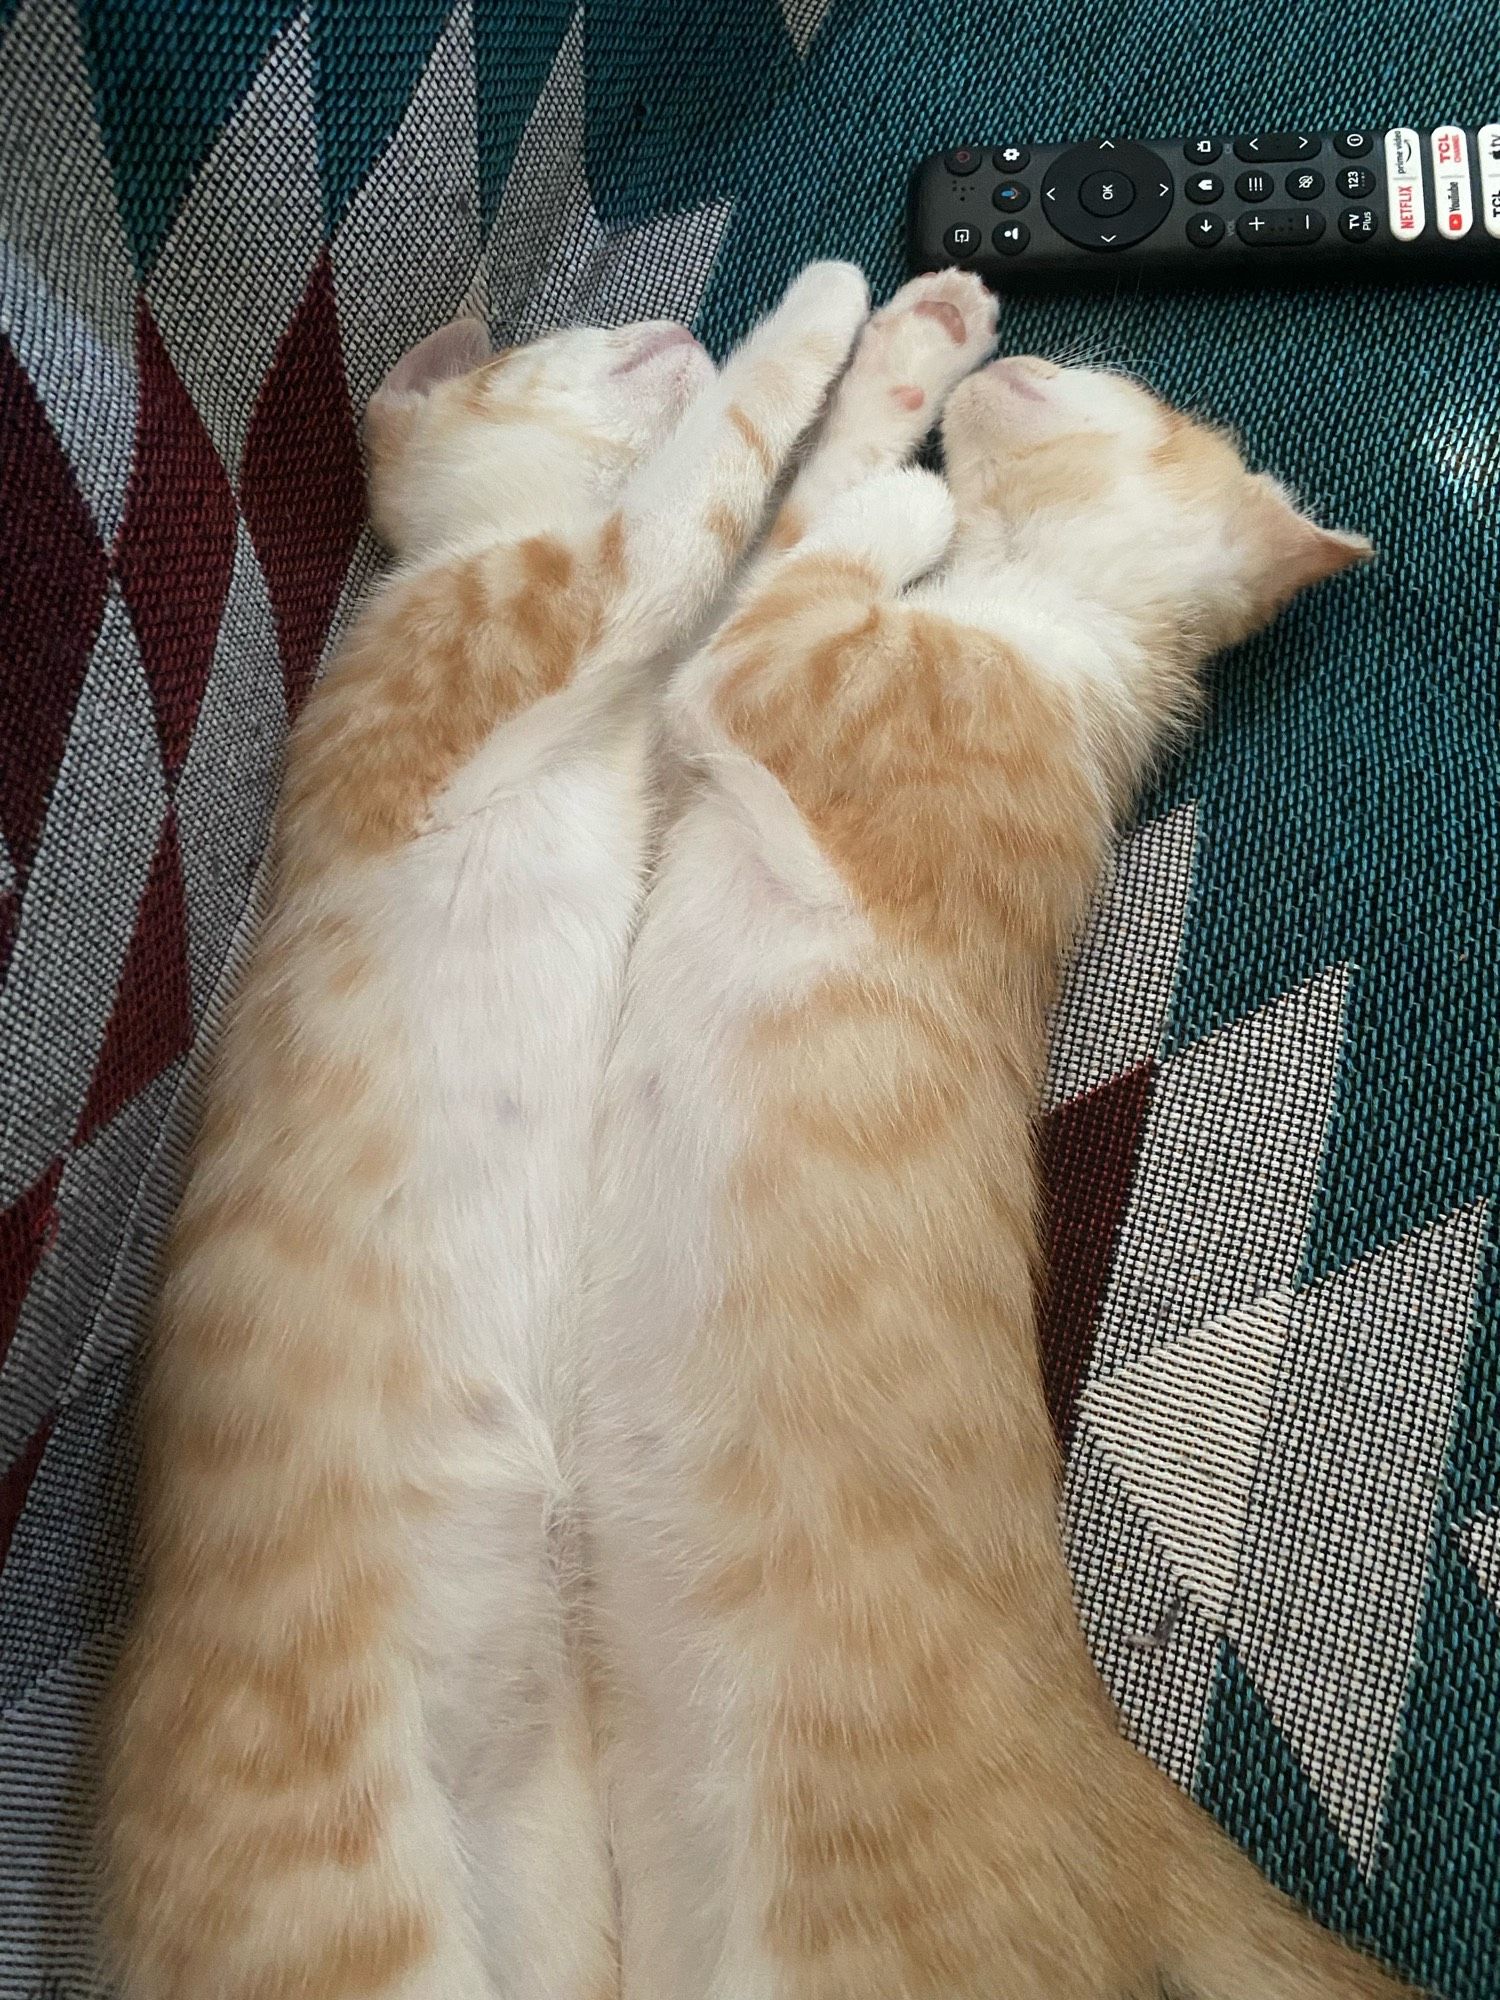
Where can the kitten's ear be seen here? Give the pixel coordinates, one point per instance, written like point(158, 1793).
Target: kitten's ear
point(390, 415)
point(1292, 552)
point(454, 350)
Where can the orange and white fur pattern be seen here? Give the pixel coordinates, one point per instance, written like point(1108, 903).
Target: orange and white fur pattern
point(856, 1747)
point(345, 1757)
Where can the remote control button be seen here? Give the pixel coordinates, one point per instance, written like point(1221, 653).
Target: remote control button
point(1452, 190)
point(1357, 182)
point(1202, 152)
point(1306, 184)
point(1205, 231)
point(1010, 197)
point(1279, 228)
point(1012, 159)
point(1011, 238)
point(1203, 187)
point(1107, 194)
point(962, 240)
point(1129, 194)
point(1403, 176)
point(1353, 145)
point(1359, 225)
point(1278, 146)
point(963, 159)
point(1489, 177)
point(1255, 186)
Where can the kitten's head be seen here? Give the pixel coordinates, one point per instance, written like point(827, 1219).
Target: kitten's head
point(1151, 515)
point(461, 440)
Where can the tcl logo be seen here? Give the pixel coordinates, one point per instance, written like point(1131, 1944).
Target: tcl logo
point(1448, 149)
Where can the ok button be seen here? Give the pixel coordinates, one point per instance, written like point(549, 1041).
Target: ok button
point(1108, 193)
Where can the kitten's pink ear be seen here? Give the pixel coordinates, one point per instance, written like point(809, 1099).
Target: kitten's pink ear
point(391, 414)
point(452, 351)
point(1296, 553)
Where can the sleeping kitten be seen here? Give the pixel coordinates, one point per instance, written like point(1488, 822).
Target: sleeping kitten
point(859, 1751)
point(347, 1759)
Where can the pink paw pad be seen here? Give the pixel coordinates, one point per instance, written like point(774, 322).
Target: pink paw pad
point(908, 395)
point(949, 318)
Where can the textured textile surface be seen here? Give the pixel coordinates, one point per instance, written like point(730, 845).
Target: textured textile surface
point(1272, 1339)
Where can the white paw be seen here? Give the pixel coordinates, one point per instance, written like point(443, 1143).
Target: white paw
point(927, 338)
point(900, 521)
point(826, 304)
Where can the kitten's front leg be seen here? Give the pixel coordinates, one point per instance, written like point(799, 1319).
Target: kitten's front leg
point(911, 354)
point(691, 512)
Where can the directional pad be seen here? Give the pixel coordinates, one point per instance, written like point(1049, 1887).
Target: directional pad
point(1107, 194)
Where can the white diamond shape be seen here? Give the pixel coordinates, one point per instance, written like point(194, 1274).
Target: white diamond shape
point(423, 190)
point(77, 916)
point(1118, 985)
point(66, 275)
point(803, 19)
point(549, 261)
point(1336, 1547)
point(1226, 1173)
point(236, 263)
point(1183, 1428)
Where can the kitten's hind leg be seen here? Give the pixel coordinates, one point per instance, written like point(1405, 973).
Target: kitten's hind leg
point(911, 354)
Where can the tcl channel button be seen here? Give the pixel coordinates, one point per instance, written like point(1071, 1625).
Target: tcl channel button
point(1489, 177)
point(1403, 173)
point(1450, 181)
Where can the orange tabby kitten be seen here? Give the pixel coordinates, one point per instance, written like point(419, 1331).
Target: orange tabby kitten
point(347, 1758)
point(858, 1748)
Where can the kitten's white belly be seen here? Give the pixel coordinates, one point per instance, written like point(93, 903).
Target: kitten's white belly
point(723, 939)
point(507, 938)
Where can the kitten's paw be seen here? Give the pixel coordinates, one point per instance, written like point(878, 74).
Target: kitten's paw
point(899, 522)
point(824, 307)
point(936, 330)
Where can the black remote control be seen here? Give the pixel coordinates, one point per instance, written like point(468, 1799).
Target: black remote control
point(1306, 205)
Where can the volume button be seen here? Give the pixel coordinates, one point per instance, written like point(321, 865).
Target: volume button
point(1452, 190)
point(1489, 177)
point(1403, 173)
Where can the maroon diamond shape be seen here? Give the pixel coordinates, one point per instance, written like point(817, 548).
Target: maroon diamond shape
point(28, 1229)
point(302, 483)
point(53, 576)
point(151, 1021)
point(1087, 1152)
point(176, 544)
point(15, 1484)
